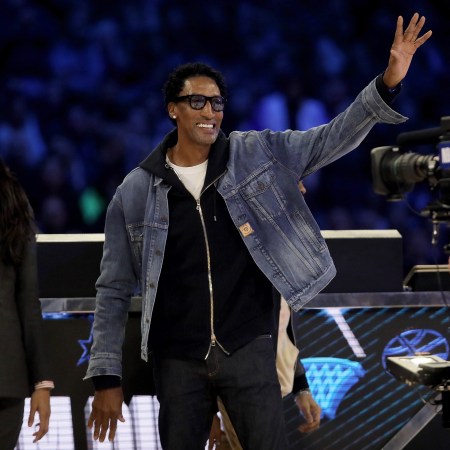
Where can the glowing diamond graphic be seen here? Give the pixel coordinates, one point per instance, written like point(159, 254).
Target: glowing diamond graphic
point(330, 379)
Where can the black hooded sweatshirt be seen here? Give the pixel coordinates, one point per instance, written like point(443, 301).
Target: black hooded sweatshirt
point(242, 295)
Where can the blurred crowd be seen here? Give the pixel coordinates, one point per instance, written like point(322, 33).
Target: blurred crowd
point(81, 101)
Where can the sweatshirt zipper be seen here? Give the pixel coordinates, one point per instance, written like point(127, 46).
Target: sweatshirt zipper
point(213, 341)
point(213, 338)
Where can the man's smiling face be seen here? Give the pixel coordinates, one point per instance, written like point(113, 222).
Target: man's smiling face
point(197, 127)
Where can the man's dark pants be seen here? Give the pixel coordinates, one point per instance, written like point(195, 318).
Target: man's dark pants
point(248, 385)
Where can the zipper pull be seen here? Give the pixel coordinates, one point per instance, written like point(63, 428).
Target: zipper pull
point(211, 345)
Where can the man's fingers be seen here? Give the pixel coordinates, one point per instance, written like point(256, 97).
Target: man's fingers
point(99, 429)
point(418, 28)
point(399, 30)
point(103, 430)
point(423, 39)
point(411, 26)
point(112, 429)
point(413, 30)
point(411, 33)
point(90, 423)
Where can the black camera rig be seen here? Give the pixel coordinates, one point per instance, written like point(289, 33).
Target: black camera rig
point(396, 169)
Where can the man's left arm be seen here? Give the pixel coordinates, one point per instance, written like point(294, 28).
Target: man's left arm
point(403, 48)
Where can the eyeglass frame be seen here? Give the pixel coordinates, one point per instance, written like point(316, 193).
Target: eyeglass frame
point(206, 99)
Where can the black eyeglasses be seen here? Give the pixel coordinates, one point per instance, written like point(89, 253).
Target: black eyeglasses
point(197, 101)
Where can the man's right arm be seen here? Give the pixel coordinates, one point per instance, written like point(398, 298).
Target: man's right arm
point(106, 411)
point(114, 289)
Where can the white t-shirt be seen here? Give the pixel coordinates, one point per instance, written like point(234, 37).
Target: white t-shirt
point(192, 177)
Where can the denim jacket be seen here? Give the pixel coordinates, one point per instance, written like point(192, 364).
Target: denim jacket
point(260, 188)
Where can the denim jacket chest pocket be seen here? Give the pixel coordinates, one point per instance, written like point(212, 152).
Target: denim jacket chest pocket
point(283, 209)
point(264, 196)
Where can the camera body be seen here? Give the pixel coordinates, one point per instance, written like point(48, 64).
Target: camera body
point(395, 170)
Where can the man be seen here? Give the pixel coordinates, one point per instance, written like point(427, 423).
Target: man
point(205, 226)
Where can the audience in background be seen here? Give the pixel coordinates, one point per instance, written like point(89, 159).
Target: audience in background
point(80, 93)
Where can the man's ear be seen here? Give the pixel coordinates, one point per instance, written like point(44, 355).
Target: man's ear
point(171, 109)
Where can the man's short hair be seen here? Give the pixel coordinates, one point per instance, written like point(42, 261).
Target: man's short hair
point(176, 79)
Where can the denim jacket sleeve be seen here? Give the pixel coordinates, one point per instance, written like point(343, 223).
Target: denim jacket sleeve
point(262, 195)
point(308, 151)
point(115, 286)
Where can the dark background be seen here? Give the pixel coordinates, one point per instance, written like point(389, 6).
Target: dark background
point(81, 102)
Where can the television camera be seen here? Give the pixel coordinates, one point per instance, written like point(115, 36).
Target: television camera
point(396, 170)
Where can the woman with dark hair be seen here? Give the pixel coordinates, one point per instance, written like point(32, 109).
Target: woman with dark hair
point(22, 368)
